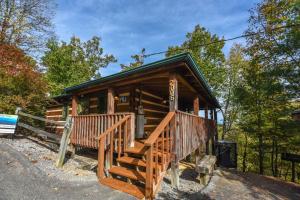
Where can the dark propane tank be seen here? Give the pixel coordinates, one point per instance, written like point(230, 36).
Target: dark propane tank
point(140, 123)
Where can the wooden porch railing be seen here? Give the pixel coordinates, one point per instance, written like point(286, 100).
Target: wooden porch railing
point(178, 135)
point(159, 153)
point(192, 132)
point(86, 128)
point(117, 139)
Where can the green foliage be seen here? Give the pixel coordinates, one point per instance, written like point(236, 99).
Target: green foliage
point(209, 58)
point(72, 63)
point(268, 88)
point(230, 108)
point(21, 84)
point(138, 61)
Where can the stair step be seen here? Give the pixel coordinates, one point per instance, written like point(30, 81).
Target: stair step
point(142, 151)
point(135, 161)
point(129, 173)
point(136, 150)
point(128, 188)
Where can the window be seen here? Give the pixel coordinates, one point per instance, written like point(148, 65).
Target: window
point(102, 102)
point(65, 111)
point(83, 106)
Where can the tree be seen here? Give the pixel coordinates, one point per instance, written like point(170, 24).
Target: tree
point(70, 64)
point(234, 63)
point(209, 58)
point(21, 84)
point(25, 24)
point(138, 61)
point(277, 45)
point(270, 81)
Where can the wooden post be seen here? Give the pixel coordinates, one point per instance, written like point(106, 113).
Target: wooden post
point(216, 130)
point(173, 92)
point(173, 106)
point(216, 120)
point(196, 105)
point(132, 130)
point(207, 142)
point(213, 137)
point(110, 101)
point(74, 113)
point(110, 110)
point(199, 150)
point(64, 142)
point(74, 105)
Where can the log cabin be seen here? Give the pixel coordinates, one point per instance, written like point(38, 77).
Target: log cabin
point(142, 121)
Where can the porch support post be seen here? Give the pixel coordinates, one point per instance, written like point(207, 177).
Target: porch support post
point(196, 105)
point(72, 147)
point(110, 110)
point(173, 106)
point(74, 105)
point(110, 101)
point(216, 129)
point(199, 150)
point(173, 92)
point(213, 131)
point(207, 142)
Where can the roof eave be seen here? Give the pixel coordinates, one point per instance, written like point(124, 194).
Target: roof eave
point(179, 57)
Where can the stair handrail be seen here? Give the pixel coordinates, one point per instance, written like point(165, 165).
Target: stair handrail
point(114, 126)
point(109, 135)
point(155, 134)
point(152, 144)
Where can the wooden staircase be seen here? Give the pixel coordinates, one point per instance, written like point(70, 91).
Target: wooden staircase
point(129, 175)
point(136, 170)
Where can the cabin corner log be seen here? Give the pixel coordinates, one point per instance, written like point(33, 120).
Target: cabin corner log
point(74, 105)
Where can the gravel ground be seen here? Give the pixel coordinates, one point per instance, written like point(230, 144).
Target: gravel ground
point(228, 184)
point(44, 159)
point(20, 179)
point(29, 166)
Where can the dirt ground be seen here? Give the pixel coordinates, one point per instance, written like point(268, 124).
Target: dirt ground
point(228, 184)
point(29, 166)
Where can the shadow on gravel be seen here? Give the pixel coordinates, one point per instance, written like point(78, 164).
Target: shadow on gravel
point(258, 184)
point(189, 174)
point(184, 195)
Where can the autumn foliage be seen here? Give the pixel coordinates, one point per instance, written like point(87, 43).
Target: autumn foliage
point(21, 84)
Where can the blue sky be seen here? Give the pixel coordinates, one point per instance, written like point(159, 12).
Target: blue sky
point(127, 26)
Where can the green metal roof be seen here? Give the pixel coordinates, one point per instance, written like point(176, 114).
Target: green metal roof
point(185, 57)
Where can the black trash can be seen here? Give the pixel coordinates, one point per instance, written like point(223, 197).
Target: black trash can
point(227, 154)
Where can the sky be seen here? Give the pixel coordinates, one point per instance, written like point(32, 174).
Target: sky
point(127, 26)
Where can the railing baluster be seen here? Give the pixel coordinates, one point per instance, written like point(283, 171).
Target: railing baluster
point(119, 142)
point(111, 147)
point(156, 161)
point(163, 149)
point(125, 133)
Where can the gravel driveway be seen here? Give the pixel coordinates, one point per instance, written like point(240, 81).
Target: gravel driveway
point(27, 172)
point(20, 179)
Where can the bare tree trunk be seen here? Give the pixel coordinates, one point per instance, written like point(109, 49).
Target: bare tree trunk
point(261, 156)
point(286, 173)
point(245, 153)
point(276, 158)
point(272, 157)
